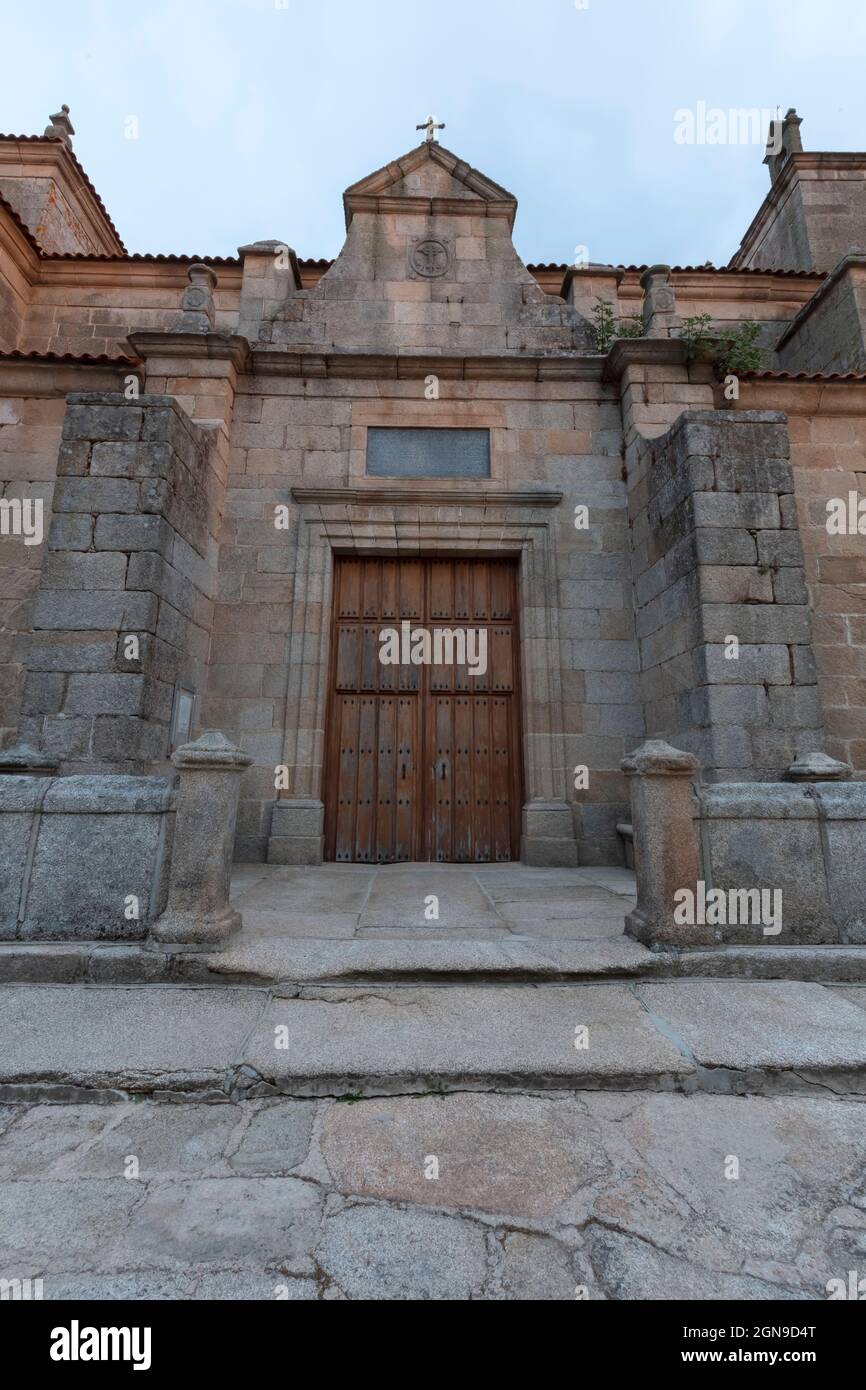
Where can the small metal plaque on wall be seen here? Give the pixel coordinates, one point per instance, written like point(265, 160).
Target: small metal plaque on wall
point(181, 717)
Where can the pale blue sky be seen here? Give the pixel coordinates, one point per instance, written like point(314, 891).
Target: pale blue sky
point(254, 118)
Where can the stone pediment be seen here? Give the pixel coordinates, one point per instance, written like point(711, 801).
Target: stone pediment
point(430, 180)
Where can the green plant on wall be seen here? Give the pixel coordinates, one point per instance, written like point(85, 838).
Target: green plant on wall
point(739, 350)
point(632, 327)
point(695, 334)
point(607, 327)
point(604, 324)
point(732, 351)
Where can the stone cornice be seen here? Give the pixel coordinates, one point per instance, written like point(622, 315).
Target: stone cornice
point(426, 207)
point(214, 346)
point(802, 395)
point(273, 362)
point(448, 494)
point(122, 271)
point(643, 352)
point(52, 378)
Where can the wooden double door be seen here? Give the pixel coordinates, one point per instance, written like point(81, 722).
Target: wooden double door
point(422, 758)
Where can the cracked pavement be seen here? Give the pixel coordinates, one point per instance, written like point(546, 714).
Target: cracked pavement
point(538, 1197)
point(283, 1135)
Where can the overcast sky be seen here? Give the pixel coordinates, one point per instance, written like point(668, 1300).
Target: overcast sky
point(254, 115)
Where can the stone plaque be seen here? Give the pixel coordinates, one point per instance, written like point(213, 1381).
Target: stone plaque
point(428, 453)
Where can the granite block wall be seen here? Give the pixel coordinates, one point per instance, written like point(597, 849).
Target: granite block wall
point(30, 429)
point(726, 662)
point(829, 333)
point(312, 433)
point(131, 555)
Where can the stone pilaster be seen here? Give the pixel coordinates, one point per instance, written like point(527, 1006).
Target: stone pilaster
point(271, 276)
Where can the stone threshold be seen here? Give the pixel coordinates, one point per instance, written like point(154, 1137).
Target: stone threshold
point(438, 962)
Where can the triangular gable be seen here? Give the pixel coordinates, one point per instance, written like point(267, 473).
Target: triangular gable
point(464, 191)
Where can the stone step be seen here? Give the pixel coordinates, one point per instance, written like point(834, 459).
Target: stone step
point(303, 960)
point(740, 1037)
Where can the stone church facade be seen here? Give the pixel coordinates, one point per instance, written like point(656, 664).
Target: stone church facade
point(252, 466)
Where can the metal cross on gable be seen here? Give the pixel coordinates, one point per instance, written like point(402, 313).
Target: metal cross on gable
point(431, 126)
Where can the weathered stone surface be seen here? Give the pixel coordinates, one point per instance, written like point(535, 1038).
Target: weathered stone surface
point(772, 1205)
point(539, 1270)
point(817, 767)
point(666, 851)
point(119, 1287)
point(85, 869)
point(198, 908)
point(86, 1033)
point(16, 829)
point(41, 1146)
point(377, 1252)
point(770, 1024)
point(401, 899)
point(276, 1140)
point(164, 1139)
point(516, 1156)
point(218, 1221)
point(81, 1225)
point(414, 956)
point(773, 854)
point(349, 1038)
point(629, 1268)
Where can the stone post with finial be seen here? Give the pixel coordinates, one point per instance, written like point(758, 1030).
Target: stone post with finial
point(198, 910)
point(197, 304)
point(61, 128)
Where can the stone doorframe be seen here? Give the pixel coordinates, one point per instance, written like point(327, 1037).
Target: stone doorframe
point(414, 521)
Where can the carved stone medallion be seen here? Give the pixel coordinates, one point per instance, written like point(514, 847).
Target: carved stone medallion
point(429, 258)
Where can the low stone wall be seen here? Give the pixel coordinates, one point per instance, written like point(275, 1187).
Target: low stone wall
point(83, 857)
point(742, 862)
point(807, 841)
point(118, 857)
